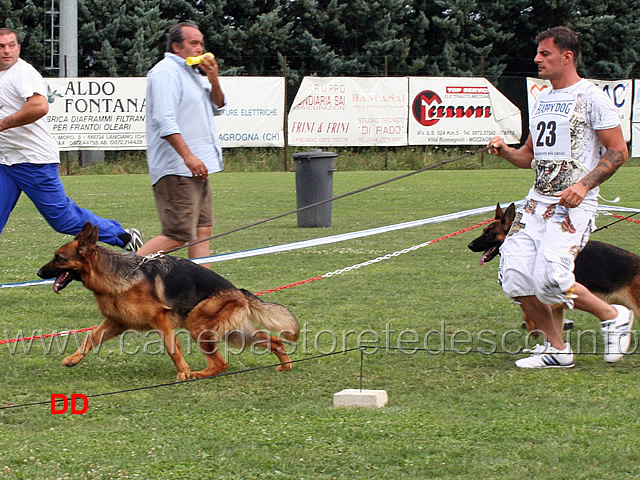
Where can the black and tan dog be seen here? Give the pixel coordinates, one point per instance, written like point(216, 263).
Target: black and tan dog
point(611, 273)
point(162, 293)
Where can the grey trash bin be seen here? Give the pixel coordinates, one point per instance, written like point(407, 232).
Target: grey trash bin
point(314, 183)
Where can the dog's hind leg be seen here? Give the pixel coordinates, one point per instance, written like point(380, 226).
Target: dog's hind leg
point(628, 296)
point(276, 346)
point(207, 342)
point(210, 322)
point(105, 331)
point(162, 324)
point(528, 324)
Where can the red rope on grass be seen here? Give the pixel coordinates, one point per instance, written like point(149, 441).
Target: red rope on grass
point(632, 220)
point(47, 335)
point(464, 230)
point(301, 282)
point(271, 290)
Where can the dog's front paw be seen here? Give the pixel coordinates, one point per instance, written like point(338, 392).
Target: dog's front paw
point(284, 368)
point(185, 375)
point(209, 372)
point(72, 360)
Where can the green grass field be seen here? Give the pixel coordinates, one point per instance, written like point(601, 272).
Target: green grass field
point(450, 414)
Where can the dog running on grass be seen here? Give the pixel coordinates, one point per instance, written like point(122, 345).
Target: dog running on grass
point(611, 273)
point(163, 293)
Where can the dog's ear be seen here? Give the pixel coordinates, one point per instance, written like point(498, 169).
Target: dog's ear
point(88, 235)
point(509, 215)
point(498, 212)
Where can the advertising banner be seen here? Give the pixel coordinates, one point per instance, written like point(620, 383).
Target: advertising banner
point(635, 142)
point(620, 91)
point(254, 116)
point(97, 113)
point(460, 111)
point(109, 113)
point(349, 111)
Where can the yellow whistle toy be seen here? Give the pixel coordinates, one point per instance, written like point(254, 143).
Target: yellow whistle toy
point(197, 60)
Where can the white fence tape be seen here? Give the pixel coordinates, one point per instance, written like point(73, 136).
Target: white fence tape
point(337, 238)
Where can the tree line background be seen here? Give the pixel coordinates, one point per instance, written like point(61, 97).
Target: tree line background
point(340, 37)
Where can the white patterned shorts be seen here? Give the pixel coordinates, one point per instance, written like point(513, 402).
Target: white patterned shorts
point(537, 257)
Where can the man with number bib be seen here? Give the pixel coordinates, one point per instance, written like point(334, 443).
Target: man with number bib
point(575, 143)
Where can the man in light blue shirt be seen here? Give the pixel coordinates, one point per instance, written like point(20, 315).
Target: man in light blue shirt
point(182, 141)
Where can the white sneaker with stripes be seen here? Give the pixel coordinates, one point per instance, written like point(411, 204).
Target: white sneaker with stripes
point(546, 356)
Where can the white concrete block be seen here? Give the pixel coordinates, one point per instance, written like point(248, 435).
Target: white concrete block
point(354, 397)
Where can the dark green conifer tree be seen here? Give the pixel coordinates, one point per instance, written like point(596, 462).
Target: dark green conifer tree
point(27, 18)
point(119, 38)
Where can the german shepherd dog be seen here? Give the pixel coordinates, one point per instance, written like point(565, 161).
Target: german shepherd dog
point(162, 293)
point(609, 272)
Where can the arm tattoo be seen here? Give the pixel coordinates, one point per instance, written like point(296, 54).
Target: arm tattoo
point(6, 122)
point(607, 166)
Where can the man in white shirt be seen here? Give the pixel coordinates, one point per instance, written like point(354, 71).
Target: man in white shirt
point(575, 144)
point(183, 147)
point(29, 155)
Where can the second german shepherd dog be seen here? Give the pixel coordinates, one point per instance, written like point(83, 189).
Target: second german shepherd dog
point(611, 273)
point(162, 293)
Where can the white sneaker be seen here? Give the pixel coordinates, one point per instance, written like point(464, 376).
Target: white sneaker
point(616, 334)
point(135, 240)
point(546, 356)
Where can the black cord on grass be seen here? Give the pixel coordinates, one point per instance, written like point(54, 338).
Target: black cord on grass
point(361, 348)
point(438, 351)
point(617, 221)
point(180, 382)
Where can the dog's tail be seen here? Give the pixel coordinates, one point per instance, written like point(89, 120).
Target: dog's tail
point(273, 316)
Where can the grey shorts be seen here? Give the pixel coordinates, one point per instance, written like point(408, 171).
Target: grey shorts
point(184, 204)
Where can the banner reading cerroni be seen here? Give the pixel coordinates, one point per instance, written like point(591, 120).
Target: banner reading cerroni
point(460, 111)
point(620, 92)
point(349, 111)
point(97, 113)
point(110, 113)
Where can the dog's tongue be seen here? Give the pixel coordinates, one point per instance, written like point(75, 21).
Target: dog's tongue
point(59, 282)
point(486, 254)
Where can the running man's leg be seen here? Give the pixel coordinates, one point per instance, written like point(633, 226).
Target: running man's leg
point(10, 193)
point(41, 183)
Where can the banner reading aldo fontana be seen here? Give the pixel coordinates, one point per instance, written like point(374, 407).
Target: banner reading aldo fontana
point(349, 111)
point(460, 110)
point(97, 113)
point(109, 113)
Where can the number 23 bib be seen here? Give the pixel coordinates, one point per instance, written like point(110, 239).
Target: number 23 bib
point(550, 126)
